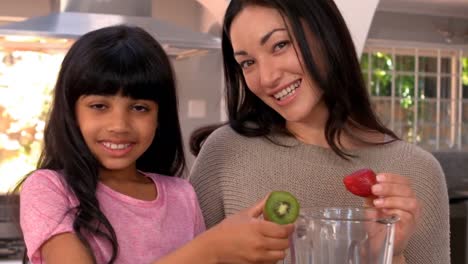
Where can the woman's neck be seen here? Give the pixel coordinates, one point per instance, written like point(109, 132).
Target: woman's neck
point(313, 133)
point(312, 129)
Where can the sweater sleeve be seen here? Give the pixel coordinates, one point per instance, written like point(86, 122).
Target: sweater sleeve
point(205, 178)
point(431, 242)
point(44, 211)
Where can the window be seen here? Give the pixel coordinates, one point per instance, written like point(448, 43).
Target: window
point(421, 94)
point(26, 82)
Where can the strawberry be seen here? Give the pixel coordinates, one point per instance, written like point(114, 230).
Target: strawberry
point(360, 182)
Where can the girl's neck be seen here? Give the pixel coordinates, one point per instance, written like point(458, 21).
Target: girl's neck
point(129, 182)
point(130, 174)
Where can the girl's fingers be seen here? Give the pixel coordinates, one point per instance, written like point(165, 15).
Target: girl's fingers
point(272, 256)
point(392, 189)
point(273, 230)
point(257, 209)
point(276, 244)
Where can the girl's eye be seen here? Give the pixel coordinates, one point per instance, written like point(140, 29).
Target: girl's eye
point(140, 108)
point(280, 45)
point(245, 64)
point(98, 106)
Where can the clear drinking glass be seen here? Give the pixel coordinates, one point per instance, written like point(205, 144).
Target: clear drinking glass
point(343, 236)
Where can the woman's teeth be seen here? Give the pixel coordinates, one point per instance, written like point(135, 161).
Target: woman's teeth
point(291, 89)
point(115, 146)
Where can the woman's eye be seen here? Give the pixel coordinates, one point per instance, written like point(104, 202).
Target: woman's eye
point(140, 108)
point(98, 106)
point(245, 64)
point(280, 45)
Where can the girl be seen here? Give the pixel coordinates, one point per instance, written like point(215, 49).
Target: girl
point(101, 194)
point(300, 119)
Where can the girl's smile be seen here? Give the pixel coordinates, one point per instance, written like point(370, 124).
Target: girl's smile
point(117, 149)
point(117, 129)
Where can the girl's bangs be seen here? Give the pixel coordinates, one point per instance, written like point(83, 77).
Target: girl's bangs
point(133, 74)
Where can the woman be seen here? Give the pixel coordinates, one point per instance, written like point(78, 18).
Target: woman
point(300, 119)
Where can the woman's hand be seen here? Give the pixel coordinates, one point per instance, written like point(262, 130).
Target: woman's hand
point(395, 196)
point(244, 238)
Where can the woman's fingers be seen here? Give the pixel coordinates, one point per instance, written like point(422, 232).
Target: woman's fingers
point(410, 205)
point(392, 189)
point(392, 178)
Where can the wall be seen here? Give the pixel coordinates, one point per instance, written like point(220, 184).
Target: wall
point(24, 8)
point(170, 10)
point(199, 81)
point(418, 28)
point(199, 78)
point(358, 17)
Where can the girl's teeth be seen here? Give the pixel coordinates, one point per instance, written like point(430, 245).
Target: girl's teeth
point(116, 146)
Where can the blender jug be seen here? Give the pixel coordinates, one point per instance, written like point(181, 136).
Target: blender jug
point(343, 236)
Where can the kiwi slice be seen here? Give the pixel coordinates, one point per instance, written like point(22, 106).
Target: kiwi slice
point(281, 207)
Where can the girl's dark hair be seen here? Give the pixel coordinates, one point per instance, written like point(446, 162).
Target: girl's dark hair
point(108, 61)
point(333, 65)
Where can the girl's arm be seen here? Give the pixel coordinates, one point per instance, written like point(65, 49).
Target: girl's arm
point(65, 248)
point(240, 238)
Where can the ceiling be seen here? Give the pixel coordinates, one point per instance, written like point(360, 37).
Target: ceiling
point(452, 8)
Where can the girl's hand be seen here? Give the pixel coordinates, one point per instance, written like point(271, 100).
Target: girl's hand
point(244, 238)
point(395, 196)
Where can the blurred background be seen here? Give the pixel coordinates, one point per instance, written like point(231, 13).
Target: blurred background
point(414, 58)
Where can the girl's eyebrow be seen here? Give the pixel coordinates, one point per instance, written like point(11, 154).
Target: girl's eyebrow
point(263, 40)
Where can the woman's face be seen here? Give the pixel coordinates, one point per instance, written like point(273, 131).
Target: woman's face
point(272, 69)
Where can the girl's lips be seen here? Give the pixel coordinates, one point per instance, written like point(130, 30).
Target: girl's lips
point(115, 149)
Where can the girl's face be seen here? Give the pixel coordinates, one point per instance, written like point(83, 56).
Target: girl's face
point(271, 67)
point(117, 129)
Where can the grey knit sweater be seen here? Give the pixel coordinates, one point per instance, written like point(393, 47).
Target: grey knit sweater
point(232, 172)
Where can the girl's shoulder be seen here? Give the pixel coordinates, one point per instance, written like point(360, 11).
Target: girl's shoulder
point(44, 178)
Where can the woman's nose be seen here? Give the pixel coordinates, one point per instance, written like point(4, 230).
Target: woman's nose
point(270, 75)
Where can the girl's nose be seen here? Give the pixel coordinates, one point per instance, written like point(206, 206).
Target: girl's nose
point(119, 122)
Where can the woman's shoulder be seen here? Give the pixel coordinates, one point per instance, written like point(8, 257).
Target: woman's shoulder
point(224, 132)
point(406, 151)
point(225, 137)
point(415, 161)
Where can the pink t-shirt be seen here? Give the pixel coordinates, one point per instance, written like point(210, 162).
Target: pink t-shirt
point(146, 230)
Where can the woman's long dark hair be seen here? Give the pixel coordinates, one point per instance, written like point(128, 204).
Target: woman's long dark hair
point(105, 62)
point(344, 91)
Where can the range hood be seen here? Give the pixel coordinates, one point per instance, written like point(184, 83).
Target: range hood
point(72, 18)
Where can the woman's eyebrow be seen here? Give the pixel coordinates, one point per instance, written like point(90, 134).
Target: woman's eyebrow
point(267, 36)
point(263, 40)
